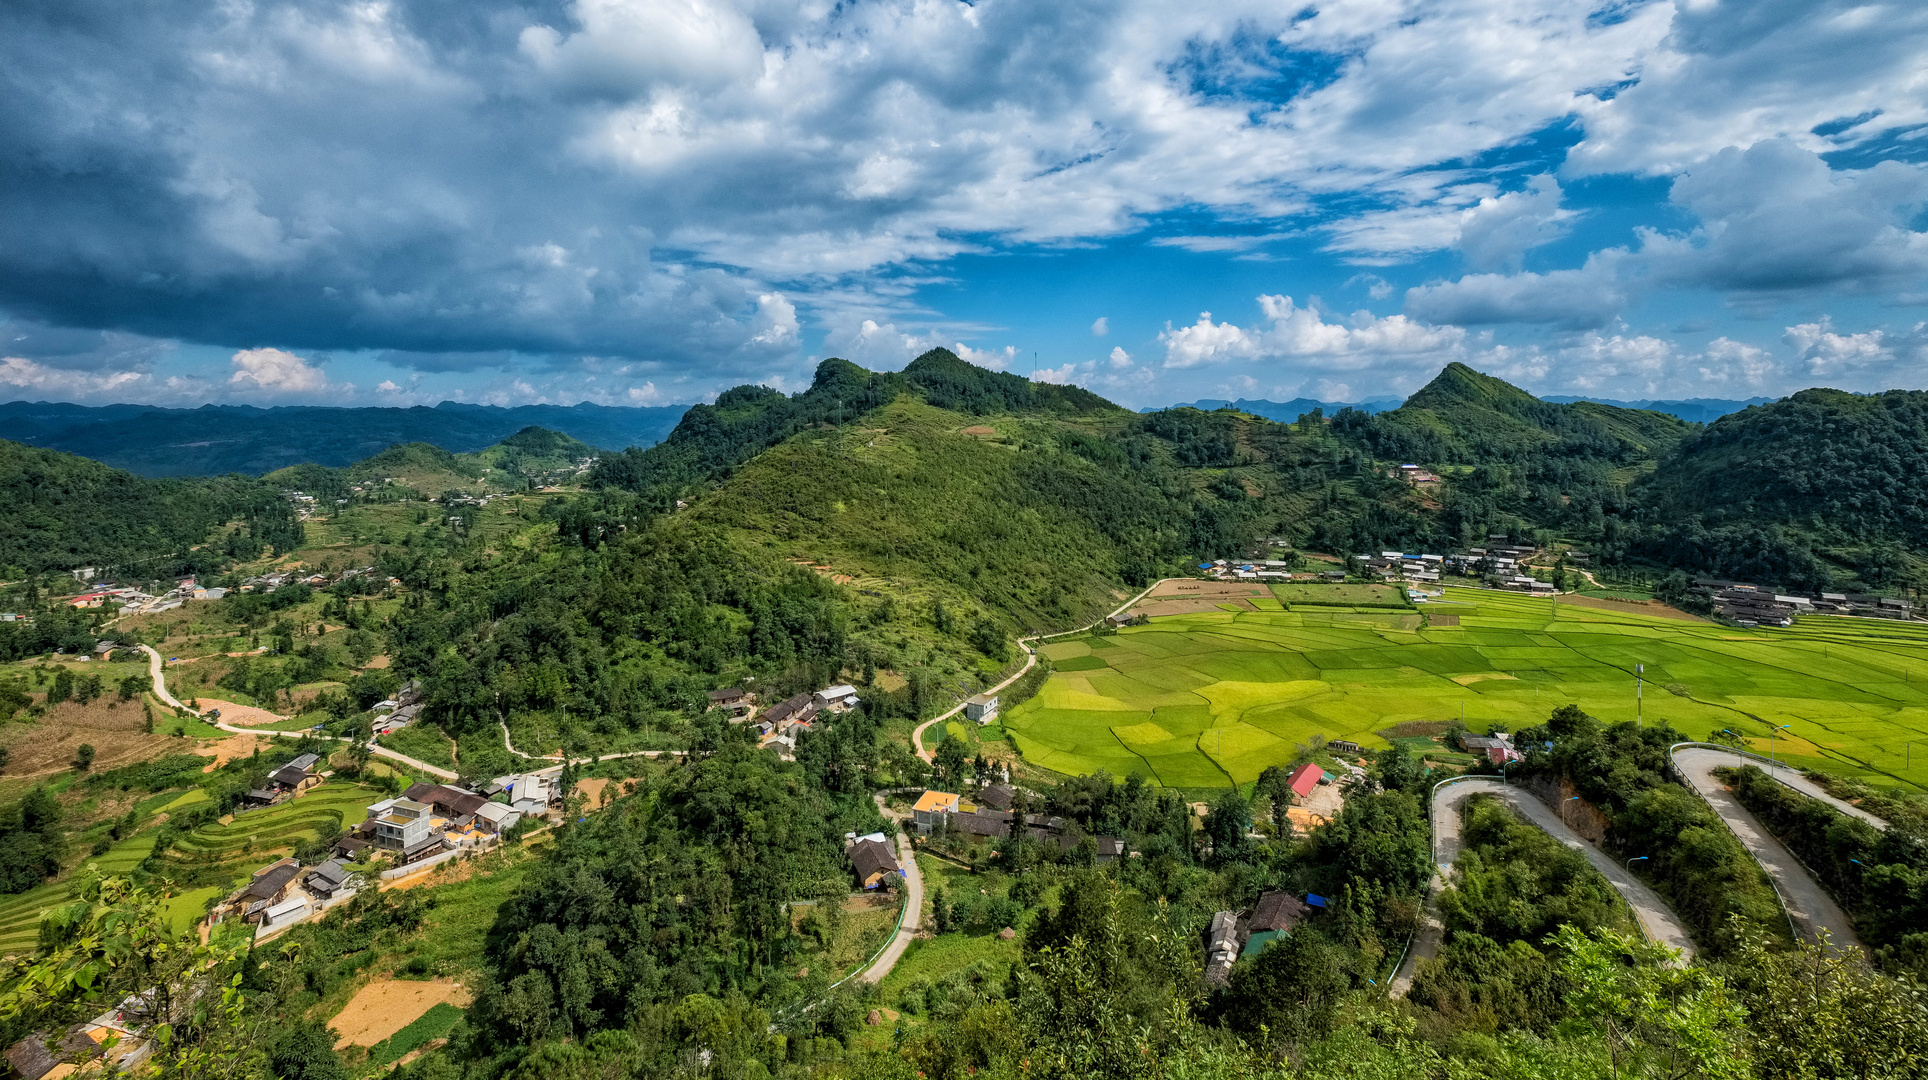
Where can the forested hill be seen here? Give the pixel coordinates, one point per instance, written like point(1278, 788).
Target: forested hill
point(1035, 505)
point(1463, 416)
point(59, 511)
point(712, 439)
point(1823, 473)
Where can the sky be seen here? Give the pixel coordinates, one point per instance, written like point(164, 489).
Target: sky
point(646, 202)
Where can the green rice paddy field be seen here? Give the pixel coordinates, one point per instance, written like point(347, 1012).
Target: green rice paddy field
point(1199, 701)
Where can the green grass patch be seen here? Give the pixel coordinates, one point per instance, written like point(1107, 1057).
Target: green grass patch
point(423, 742)
point(424, 1029)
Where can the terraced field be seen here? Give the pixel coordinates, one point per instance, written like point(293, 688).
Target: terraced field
point(1209, 700)
point(318, 813)
point(233, 851)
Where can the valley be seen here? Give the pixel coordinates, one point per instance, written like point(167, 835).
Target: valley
point(738, 673)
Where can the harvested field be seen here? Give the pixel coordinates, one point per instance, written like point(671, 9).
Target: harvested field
point(48, 745)
point(386, 1006)
point(1182, 596)
point(1653, 608)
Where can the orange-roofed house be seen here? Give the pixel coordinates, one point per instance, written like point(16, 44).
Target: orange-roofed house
point(931, 808)
point(1304, 779)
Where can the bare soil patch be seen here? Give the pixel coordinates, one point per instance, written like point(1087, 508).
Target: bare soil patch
point(979, 430)
point(1441, 620)
point(240, 715)
point(48, 745)
point(600, 791)
point(386, 1006)
point(1632, 607)
point(226, 750)
point(376, 663)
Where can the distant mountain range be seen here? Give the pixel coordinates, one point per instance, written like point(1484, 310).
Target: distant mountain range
point(1693, 410)
point(217, 439)
point(1284, 412)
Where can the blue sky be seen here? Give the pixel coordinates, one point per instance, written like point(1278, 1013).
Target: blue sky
point(648, 201)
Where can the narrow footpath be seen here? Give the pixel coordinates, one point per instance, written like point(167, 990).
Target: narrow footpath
point(1657, 921)
point(1809, 907)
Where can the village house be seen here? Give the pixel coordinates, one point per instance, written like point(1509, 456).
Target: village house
point(1305, 778)
point(870, 857)
point(931, 810)
point(269, 886)
point(297, 775)
point(1221, 947)
point(327, 879)
point(732, 700)
point(981, 708)
point(406, 828)
point(836, 699)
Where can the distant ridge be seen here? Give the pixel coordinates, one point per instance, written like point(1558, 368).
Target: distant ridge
point(1284, 412)
point(1693, 410)
point(217, 439)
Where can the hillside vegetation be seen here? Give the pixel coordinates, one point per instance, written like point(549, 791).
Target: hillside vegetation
point(58, 511)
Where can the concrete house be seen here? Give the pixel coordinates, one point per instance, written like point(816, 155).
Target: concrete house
point(982, 708)
point(405, 827)
point(932, 809)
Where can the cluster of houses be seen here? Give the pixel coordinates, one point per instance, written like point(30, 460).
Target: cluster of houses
point(133, 600)
point(284, 893)
point(1751, 605)
point(779, 725)
point(1234, 935)
point(267, 583)
point(989, 816)
point(286, 782)
point(1496, 748)
point(396, 713)
point(430, 819)
point(1500, 564)
point(1262, 570)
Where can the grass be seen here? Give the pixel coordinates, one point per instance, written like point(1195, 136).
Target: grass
point(421, 1031)
point(1199, 701)
point(423, 742)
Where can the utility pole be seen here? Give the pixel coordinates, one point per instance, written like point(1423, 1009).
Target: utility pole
point(1639, 678)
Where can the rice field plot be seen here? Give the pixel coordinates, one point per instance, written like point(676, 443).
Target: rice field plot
point(1211, 698)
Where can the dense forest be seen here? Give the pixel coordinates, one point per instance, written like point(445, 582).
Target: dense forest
point(58, 511)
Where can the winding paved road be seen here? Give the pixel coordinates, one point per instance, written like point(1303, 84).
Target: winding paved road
point(1808, 905)
point(154, 664)
point(913, 904)
point(1030, 661)
point(1656, 919)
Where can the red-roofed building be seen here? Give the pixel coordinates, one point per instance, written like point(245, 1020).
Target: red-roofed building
point(1305, 778)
